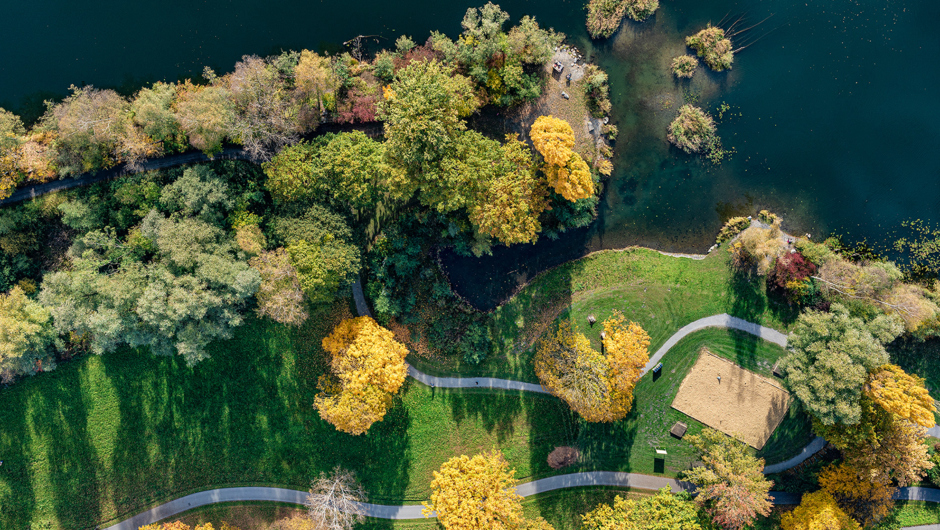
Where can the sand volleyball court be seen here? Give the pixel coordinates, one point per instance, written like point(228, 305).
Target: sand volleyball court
point(733, 400)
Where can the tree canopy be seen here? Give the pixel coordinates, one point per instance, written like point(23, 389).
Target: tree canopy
point(567, 172)
point(598, 387)
point(731, 484)
point(833, 353)
point(469, 493)
point(818, 510)
point(663, 511)
point(367, 368)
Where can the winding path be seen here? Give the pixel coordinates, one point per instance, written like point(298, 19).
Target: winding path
point(413, 511)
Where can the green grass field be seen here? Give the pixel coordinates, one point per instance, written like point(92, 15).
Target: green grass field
point(104, 437)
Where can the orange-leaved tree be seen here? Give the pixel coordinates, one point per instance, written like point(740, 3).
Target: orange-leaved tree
point(902, 394)
point(731, 484)
point(866, 500)
point(567, 172)
point(818, 510)
point(367, 369)
point(179, 525)
point(470, 493)
point(598, 387)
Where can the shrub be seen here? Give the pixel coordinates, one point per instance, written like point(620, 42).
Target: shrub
point(693, 130)
point(768, 217)
point(732, 227)
point(684, 66)
point(563, 457)
point(791, 278)
point(712, 45)
point(475, 344)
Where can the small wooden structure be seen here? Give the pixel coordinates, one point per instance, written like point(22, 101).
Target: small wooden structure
point(777, 371)
point(678, 430)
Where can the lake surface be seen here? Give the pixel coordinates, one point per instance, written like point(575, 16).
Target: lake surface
point(834, 115)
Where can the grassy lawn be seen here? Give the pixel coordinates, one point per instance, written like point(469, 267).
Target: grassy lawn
point(102, 438)
point(661, 293)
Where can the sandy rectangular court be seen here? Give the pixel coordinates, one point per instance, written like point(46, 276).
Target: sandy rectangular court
point(742, 404)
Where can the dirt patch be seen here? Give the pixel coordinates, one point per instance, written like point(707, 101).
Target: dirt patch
point(741, 404)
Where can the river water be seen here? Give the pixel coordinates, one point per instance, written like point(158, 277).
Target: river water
point(833, 112)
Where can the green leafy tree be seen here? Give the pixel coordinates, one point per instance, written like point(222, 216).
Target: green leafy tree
point(731, 484)
point(26, 333)
point(152, 110)
point(354, 168)
point(422, 112)
point(320, 249)
point(509, 205)
point(201, 193)
point(832, 356)
point(663, 511)
point(190, 292)
point(291, 173)
point(12, 135)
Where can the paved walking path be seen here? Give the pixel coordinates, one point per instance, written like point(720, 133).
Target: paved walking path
point(380, 511)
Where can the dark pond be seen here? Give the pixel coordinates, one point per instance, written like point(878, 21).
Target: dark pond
point(833, 112)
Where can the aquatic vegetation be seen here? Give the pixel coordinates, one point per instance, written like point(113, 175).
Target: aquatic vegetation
point(693, 130)
point(684, 66)
point(713, 47)
point(604, 16)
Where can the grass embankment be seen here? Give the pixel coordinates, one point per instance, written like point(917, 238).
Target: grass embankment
point(661, 293)
point(103, 438)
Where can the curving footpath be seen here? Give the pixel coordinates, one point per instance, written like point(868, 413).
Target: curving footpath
point(572, 480)
point(414, 511)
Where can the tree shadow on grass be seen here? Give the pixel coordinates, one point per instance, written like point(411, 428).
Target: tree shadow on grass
point(17, 497)
point(243, 417)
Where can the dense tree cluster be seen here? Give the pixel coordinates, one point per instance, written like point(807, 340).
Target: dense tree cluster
point(663, 511)
point(604, 16)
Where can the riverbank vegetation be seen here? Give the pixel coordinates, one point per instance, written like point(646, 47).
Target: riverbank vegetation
point(684, 66)
point(693, 131)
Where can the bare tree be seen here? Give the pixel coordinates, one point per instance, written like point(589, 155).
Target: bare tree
point(335, 501)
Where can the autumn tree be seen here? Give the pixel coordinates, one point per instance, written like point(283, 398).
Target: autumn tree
point(334, 501)
point(902, 394)
point(93, 129)
point(567, 172)
point(509, 205)
point(757, 248)
point(315, 84)
point(865, 500)
point(367, 368)
point(469, 493)
point(279, 296)
point(265, 115)
point(26, 333)
point(206, 114)
point(12, 137)
point(832, 354)
point(731, 484)
point(663, 511)
point(818, 510)
point(290, 173)
point(598, 387)
point(898, 452)
point(179, 525)
point(352, 167)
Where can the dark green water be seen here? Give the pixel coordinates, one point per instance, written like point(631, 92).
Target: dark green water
point(835, 120)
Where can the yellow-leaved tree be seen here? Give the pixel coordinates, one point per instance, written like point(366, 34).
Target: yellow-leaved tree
point(367, 369)
point(470, 493)
point(567, 172)
point(867, 501)
point(818, 511)
point(598, 387)
point(902, 394)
